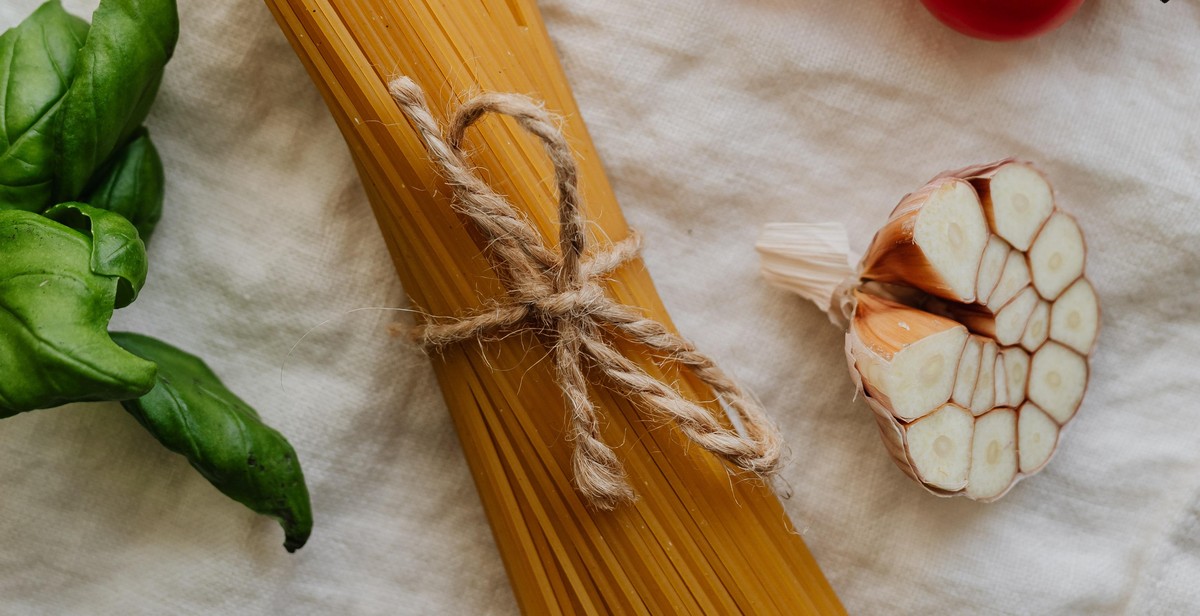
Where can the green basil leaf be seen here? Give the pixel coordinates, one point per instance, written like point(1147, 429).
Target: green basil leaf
point(116, 79)
point(116, 248)
point(54, 310)
point(37, 64)
point(191, 412)
point(132, 185)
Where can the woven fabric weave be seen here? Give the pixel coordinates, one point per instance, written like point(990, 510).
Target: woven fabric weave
point(713, 118)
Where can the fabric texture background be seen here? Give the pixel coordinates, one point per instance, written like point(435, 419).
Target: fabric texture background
point(713, 117)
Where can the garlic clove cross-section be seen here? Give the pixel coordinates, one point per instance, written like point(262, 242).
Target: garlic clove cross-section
point(969, 323)
point(938, 232)
point(1016, 199)
point(1016, 369)
point(968, 372)
point(910, 355)
point(985, 383)
point(1037, 436)
point(995, 258)
point(939, 447)
point(994, 463)
point(1057, 256)
point(1075, 317)
point(1038, 327)
point(1058, 377)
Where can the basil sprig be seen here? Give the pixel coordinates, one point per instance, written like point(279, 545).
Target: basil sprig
point(81, 190)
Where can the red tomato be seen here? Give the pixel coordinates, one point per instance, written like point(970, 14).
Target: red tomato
point(1002, 20)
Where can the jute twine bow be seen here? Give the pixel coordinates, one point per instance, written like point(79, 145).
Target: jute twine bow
point(559, 295)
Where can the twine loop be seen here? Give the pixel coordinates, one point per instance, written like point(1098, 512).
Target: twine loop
point(559, 294)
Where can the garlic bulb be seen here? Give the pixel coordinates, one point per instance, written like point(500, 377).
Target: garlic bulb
point(969, 322)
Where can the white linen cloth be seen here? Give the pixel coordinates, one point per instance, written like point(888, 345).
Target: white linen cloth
point(713, 117)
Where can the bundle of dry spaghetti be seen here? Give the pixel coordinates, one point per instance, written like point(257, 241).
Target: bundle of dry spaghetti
point(701, 537)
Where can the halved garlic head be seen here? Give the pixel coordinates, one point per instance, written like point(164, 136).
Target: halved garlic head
point(974, 379)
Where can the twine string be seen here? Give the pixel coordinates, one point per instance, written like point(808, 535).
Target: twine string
point(558, 293)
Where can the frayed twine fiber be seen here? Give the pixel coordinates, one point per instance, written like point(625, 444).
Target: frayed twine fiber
point(558, 294)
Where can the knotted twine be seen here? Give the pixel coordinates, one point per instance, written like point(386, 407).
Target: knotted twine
point(559, 295)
